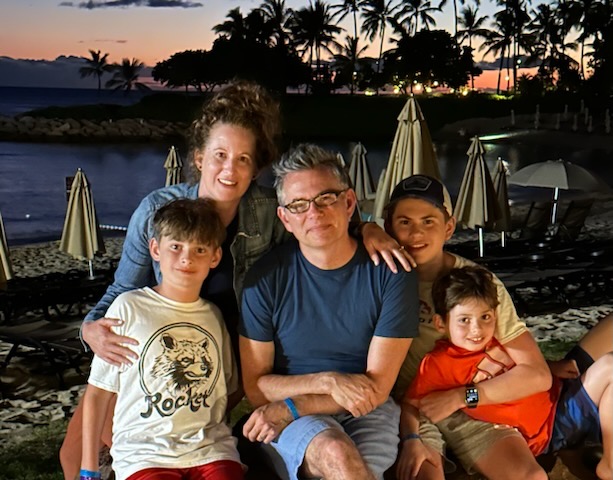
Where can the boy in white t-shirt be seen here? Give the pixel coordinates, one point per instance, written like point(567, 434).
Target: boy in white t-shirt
point(170, 416)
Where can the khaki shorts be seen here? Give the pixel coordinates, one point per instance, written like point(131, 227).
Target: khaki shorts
point(469, 439)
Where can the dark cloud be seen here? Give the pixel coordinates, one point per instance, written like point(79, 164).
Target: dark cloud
point(93, 4)
point(103, 40)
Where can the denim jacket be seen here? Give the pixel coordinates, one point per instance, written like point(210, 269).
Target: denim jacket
point(259, 229)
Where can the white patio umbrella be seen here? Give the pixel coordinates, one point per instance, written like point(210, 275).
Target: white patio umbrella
point(556, 174)
point(412, 153)
point(503, 224)
point(173, 166)
point(477, 206)
point(81, 235)
point(359, 173)
point(6, 268)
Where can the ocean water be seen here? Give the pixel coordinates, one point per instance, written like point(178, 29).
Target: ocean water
point(32, 175)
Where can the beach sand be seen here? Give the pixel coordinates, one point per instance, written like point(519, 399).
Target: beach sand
point(30, 394)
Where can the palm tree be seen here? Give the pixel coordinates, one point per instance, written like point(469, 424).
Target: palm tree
point(96, 66)
point(498, 40)
point(346, 7)
point(279, 19)
point(234, 27)
point(314, 29)
point(584, 16)
point(125, 76)
point(348, 57)
point(517, 11)
point(472, 26)
point(376, 15)
point(546, 29)
point(416, 10)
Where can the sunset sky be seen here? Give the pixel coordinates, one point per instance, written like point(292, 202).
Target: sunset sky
point(46, 29)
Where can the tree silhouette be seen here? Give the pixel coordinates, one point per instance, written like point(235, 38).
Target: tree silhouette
point(279, 19)
point(346, 7)
point(125, 76)
point(472, 26)
point(427, 57)
point(376, 15)
point(314, 28)
point(415, 10)
point(498, 41)
point(347, 62)
point(96, 66)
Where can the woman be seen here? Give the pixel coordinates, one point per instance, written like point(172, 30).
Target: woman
point(230, 143)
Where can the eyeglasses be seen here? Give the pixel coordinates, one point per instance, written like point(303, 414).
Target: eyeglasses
point(324, 199)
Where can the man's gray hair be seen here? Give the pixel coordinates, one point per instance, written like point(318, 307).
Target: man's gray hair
point(308, 156)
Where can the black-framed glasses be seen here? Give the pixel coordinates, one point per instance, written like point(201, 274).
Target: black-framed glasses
point(324, 199)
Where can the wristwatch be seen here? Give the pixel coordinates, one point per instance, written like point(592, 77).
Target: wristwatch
point(472, 396)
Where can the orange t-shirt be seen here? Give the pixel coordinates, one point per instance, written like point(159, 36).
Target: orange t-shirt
point(448, 366)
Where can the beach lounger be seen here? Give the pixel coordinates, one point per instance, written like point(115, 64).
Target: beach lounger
point(58, 343)
point(574, 218)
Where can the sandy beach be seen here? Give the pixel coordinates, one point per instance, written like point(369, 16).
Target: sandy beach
point(30, 394)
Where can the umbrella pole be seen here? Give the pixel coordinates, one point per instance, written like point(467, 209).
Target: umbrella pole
point(554, 210)
point(91, 269)
point(481, 248)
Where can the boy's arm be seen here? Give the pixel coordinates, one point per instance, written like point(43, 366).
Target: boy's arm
point(412, 451)
point(95, 405)
point(530, 375)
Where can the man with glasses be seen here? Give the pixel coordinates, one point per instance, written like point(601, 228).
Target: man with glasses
point(323, 333)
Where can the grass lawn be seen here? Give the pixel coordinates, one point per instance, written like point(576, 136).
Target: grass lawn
point(34, 456)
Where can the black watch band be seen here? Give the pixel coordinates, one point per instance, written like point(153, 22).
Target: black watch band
point(472, 396)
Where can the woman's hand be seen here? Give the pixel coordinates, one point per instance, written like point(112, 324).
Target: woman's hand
point(377, 242)
point(109, 346)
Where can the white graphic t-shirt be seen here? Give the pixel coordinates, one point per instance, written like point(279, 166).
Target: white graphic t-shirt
point(171, 404)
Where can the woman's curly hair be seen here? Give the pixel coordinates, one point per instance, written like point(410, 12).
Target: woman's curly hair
point(246, 105)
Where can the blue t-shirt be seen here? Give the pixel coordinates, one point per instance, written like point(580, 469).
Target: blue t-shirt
point(324, 320)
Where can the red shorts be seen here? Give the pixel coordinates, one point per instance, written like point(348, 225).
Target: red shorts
point(221, 470)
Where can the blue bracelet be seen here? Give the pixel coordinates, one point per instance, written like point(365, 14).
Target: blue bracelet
point(88, 475)
point(410, 436)
point(292, 408)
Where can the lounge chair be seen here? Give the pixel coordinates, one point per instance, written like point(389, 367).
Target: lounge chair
point(574, 218)
point(537, 221)
point(58, 342)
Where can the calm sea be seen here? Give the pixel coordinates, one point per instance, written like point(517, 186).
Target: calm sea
point(32, 175)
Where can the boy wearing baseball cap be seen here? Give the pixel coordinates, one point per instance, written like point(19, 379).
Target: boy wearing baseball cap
point(420, 217)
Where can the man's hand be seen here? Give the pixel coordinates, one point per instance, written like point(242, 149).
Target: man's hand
point(564, 368)
point(413, 454)
point(439, 405)
point(109, 346)
point(354, 392)
point(267, 422)
point(377, 242)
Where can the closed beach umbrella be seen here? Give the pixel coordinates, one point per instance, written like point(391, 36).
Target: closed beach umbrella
point(556, 174)
point(6, 269)
point(503, 223)
point(477, 206)
point(174, 167)
point(359, 174)
point(81, 235)
point(412, 153)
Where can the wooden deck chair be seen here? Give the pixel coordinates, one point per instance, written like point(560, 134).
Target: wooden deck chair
point(574, 218)
point(537, 220)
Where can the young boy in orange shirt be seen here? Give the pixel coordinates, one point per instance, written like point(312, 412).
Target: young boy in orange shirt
point(465, 301)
